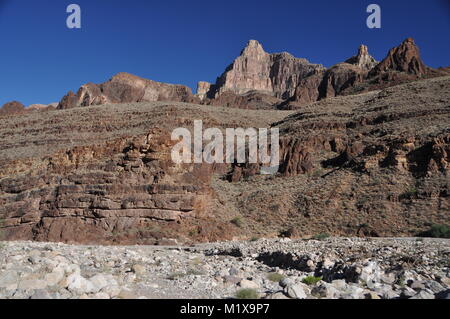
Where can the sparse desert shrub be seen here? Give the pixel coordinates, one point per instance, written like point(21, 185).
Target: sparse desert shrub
point(409, 193)
point(401, 281)
point(193, 232)
point(311, 280)
point(237, 221)
point(247, 294)
point(176, 275)
point(254, 238)
point(437, 231)
point(275, 277)
point(194, 272)
point(179, 274)
point(196, 261)
point(290, 233)
point(319, 172)
point(321, 236)
point(362, 202)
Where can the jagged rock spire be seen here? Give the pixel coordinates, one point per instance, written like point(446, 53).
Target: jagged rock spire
point(363, 59)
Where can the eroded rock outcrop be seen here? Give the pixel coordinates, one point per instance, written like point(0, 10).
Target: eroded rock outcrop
point(126, 88)
point(306, 92)
point(339, 78)
point(42, 107)
point(17, 108)
point(251, 100)
point(202, 89)
point(11, 108)
point(111, 192)
point(332, 82)
point(294, 81)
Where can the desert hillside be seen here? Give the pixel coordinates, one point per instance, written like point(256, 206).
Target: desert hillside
point(373, 164)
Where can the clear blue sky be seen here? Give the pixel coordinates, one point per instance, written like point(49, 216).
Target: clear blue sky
point(187, 41)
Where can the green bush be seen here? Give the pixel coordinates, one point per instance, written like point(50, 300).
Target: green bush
point(194, 272)
point(190, 272)
point(437, 231)
point(237, 221)
point(275, 277)
point(321, 236)
point(247, 294)
point(176, 275)
point(311, 280)
point(410, 193)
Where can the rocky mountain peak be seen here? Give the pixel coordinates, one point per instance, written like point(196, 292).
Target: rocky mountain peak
point(276, 74)
point(404, 58)
point(252, 47)
point(363, 50)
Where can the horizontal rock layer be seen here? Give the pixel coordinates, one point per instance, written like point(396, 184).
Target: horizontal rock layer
point(103, 192)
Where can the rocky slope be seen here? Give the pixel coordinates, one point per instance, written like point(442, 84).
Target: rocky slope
point(373, 164)
point(274, 269)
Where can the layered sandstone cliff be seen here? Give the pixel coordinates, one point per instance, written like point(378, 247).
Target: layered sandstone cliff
point(99, 193)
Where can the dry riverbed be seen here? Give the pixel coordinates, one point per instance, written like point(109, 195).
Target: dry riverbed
point(348, 268)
